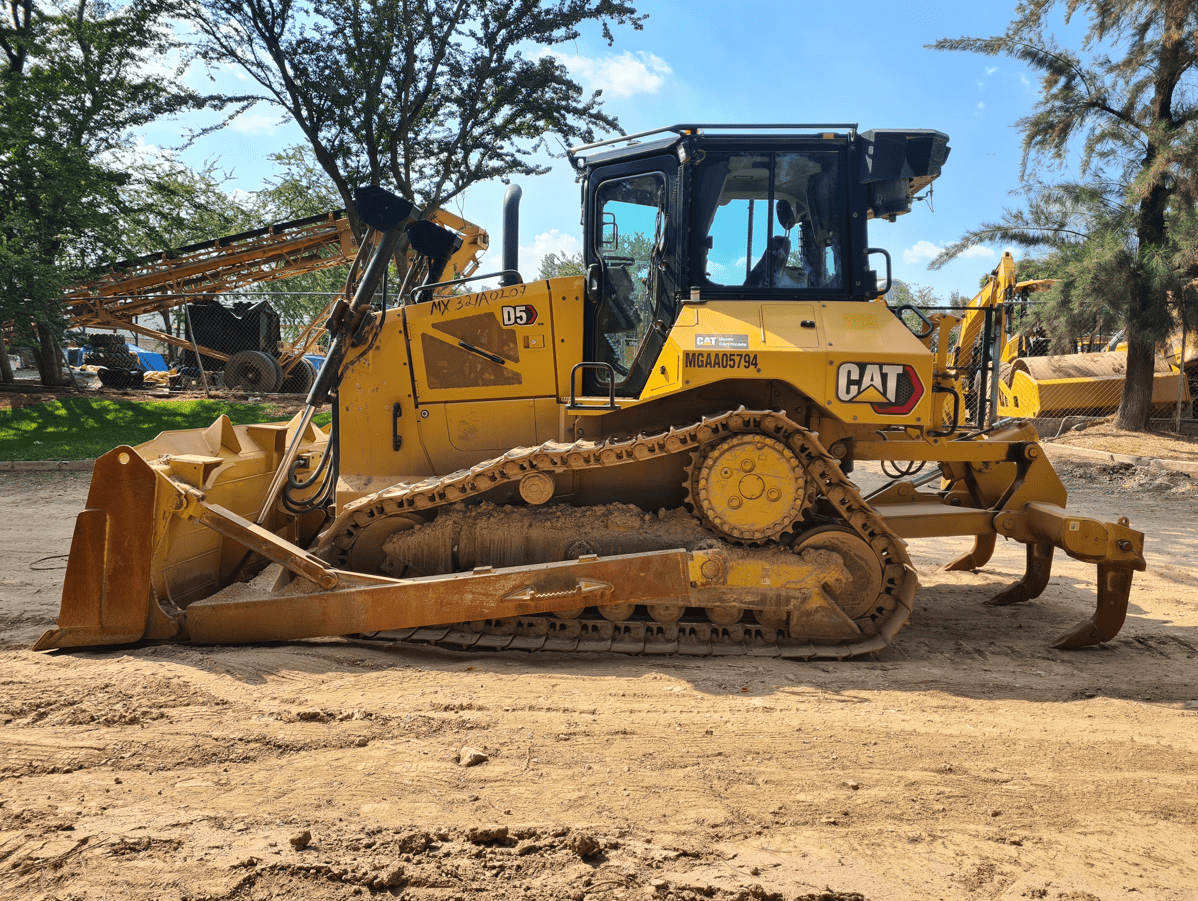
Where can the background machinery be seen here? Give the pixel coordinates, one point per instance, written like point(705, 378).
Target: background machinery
point(245, 338)
point(653, 457)
point(1031, 381)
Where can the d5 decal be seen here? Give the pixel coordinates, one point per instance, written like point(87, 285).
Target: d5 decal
point(523, 314)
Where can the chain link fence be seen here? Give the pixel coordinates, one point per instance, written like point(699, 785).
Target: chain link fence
point(257, 343)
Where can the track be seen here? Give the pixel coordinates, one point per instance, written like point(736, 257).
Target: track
point(363, 527)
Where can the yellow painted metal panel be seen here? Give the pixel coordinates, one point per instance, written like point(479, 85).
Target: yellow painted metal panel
point(491, 429)
point(877, 370)
point(782, 325)
point(566, 305)
point(470, 347)
point(891, 381)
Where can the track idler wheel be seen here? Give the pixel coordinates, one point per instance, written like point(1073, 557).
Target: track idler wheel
point(858, 591)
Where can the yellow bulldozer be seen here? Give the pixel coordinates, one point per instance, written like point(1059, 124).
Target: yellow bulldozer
point(652, 457)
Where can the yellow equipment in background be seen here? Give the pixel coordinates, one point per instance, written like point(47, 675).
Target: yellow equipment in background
point(1084, 384)
point(1033, 384)
point(653, 457)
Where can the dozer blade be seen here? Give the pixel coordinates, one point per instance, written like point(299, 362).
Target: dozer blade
point(106, 594)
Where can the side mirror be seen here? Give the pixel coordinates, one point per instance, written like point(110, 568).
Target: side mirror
point(609, 232)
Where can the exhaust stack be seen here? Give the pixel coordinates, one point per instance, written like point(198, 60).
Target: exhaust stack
point(511, 236)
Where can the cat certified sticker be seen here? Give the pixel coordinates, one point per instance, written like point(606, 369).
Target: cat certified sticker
point(721, 342)
point(892, 389)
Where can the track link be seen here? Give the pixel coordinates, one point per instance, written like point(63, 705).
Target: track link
point(418, 499)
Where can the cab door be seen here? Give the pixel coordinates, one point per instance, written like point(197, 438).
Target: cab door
point(631, 254)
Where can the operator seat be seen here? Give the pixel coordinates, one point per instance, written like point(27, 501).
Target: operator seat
point(769, 269)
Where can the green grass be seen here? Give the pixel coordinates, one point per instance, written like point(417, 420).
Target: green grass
point(80, 428)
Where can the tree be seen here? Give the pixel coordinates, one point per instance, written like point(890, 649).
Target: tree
point(426, 97)
point(74, 84)
point(1122, 233)
point(169, 206)
point(554, 266)
point(300, 188)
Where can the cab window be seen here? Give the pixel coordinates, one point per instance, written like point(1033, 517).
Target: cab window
point(768, 221)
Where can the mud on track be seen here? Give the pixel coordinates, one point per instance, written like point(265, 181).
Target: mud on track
point(967, 761)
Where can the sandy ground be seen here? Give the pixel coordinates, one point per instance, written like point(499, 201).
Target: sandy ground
point(968, 761)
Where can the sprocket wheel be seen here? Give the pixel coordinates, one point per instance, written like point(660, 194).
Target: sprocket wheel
point(749, 488)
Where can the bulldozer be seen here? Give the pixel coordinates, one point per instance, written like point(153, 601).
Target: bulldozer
point(654, 456)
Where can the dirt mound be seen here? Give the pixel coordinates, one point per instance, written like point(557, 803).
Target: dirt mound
point(1102, 435)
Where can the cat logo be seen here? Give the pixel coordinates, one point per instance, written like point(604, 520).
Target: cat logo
point(892, 389)
point(524, 314)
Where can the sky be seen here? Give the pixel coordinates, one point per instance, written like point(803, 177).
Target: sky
point(764, 61)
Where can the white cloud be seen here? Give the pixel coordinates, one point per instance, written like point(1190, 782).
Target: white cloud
point(973, 253)
point(925, 251)
point(922, 250)
point(242, 196)
point(981, 106)
point(255, 124)
point(1025, 81)
point(564, 245)
point(990, 70)
point(619, 76)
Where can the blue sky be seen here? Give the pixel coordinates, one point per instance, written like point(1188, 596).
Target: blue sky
point(762, 61)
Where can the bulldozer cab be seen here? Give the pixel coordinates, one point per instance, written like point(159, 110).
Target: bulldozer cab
point(696, 216)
